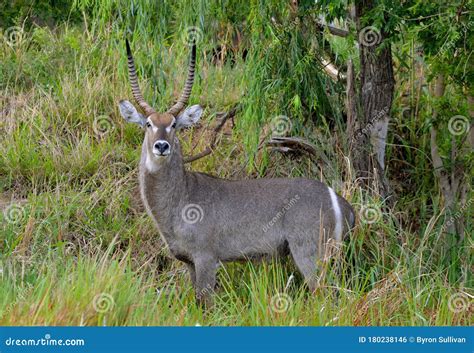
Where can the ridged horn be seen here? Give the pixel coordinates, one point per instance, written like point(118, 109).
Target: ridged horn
point(188, 86)
point(132, 74)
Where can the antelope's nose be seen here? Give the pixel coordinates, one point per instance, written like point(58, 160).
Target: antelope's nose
point(162, 146)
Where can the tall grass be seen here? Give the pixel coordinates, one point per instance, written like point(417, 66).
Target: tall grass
point(76, 247)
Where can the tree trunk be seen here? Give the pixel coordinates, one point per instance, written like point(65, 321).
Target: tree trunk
point(453, 184)
point(376, 95)
point(351, 100)
point(470, 138)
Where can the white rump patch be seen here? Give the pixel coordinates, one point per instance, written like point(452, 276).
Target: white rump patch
point(337, 215)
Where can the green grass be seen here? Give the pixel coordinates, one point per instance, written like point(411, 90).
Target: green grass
point(74, 232)
point(110, 288)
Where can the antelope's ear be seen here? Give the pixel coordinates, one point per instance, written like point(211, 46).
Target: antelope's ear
point(189, 117)
point(130, 113)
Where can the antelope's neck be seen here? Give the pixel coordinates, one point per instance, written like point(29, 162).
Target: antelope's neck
point(162, 190)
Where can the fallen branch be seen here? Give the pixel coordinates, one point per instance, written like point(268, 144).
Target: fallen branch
point(291, 144)
point(208, 150)
point(332, 71)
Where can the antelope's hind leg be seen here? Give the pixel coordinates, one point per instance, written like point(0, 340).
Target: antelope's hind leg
point(305, 258)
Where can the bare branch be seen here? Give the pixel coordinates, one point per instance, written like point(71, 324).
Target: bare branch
point(333, 30)
point(332, 70)
point(291, 144)
point(223, 119)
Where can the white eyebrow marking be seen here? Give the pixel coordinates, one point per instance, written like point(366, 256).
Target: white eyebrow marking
point(153, 127)
point(168, 129)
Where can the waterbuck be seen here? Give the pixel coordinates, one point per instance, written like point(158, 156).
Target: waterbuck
point(206, 221)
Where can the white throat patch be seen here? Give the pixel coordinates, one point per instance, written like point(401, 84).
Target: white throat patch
point(150, 165)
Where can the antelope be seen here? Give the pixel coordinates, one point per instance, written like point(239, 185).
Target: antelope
point(206, 221)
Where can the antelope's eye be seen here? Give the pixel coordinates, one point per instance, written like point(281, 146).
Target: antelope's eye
point(148, 124)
